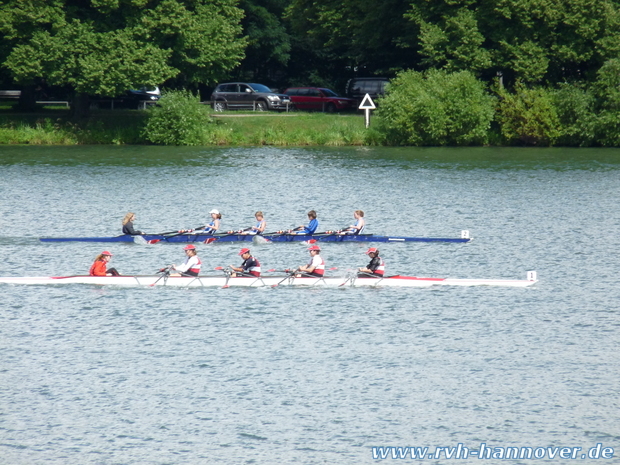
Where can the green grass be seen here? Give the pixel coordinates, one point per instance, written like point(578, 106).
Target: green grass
point(289, 129)
point(53, 125)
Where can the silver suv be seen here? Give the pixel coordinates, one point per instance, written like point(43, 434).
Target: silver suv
point(249, 96)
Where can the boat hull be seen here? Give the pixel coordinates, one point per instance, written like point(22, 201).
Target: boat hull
point(196, 237)
point(270, 281)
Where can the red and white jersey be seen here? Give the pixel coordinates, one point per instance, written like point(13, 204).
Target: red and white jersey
point(318, 263)
point(191, 265)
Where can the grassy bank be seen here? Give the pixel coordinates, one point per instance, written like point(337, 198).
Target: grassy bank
point(54, 126)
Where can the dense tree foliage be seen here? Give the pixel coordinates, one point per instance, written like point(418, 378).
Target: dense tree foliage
point(556, 63)
point(105, 47)
point(535, 41)
point(269, 43)
point(436, 108)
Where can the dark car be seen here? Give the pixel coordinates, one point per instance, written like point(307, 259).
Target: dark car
point(135, 99)
point(143, 96)
point(357, 88)
point(319, 98)
point(248, 95)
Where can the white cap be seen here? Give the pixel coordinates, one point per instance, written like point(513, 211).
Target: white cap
point(215, 211)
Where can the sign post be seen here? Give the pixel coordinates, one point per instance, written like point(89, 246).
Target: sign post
point(367, 105)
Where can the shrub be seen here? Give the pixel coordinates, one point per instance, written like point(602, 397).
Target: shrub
point(606, 89)
point(435, 108)
point(178, 119)
point(528, 116)
point(574, 107)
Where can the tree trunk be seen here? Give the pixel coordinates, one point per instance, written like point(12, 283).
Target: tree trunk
point(80, 107)
point(27, 99)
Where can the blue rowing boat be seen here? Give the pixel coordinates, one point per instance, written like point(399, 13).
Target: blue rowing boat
point(208, 238)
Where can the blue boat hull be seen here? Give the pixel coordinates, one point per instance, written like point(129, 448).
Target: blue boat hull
point(193, 237)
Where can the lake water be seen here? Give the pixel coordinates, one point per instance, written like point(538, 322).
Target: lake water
point(103, 375)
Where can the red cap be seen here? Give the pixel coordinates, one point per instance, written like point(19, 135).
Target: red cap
point(189, 247)
point(242, 251)
point(372, 250)
point(314, 247)
point(105, 252)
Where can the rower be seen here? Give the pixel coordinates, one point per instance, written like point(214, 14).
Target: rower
point(376, 267)
point(356, 228)
point(192, 264)
point(316, 265)
point(128, 225)
point(259, 227)
point(313, 225)
point(214, 225)
point(100, 266)
point(250, 266)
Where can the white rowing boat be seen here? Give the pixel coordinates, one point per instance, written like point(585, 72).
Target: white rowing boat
point(273, 281)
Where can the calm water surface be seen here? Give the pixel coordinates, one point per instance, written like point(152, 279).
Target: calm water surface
point(100, 375)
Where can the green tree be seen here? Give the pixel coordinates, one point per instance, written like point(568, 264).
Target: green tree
point(575, 106)
point(362, 36)
point(435, 108)
point(105, 47)
point(269, 43)
point(606, 89)
point(528, 116)
point(535, 41)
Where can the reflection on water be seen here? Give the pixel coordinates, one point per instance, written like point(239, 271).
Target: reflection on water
point(109, 375)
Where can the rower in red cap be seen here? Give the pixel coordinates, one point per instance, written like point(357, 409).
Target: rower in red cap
point(250, 266)
point(376, 267)
point(100, 267)
point(316, 265)
point(192, 264)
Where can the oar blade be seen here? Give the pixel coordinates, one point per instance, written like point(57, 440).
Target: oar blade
point(260, 240)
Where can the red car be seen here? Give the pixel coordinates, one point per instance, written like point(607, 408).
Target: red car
point(319, 98)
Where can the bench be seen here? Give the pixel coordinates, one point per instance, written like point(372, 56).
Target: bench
point(10, 94)
point(16, 94)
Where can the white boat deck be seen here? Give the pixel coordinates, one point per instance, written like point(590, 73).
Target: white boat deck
point(273, 281)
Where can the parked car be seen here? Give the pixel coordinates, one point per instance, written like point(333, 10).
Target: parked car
point(148, 94)
point(319, 98)
point(357, 88)
point(134, 98)
point(248, 95)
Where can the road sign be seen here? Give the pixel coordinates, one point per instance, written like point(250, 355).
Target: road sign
point(367, 105)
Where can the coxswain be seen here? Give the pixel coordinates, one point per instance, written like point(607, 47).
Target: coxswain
point(214, 225)
point(250, 266)
point(100, 266)
point(359, 225)
point(313, 225)
point(376, 267)
point(258, 228)
point(316, 265)
point(128, 225)
point(192, 264)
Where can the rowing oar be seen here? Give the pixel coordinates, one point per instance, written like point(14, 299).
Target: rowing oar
point(290, 274)
point(173, 234)
point(288, 270)
point(165, 272)
point(356, 275)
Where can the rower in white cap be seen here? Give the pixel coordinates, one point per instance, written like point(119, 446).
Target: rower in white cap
point(214, 225)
